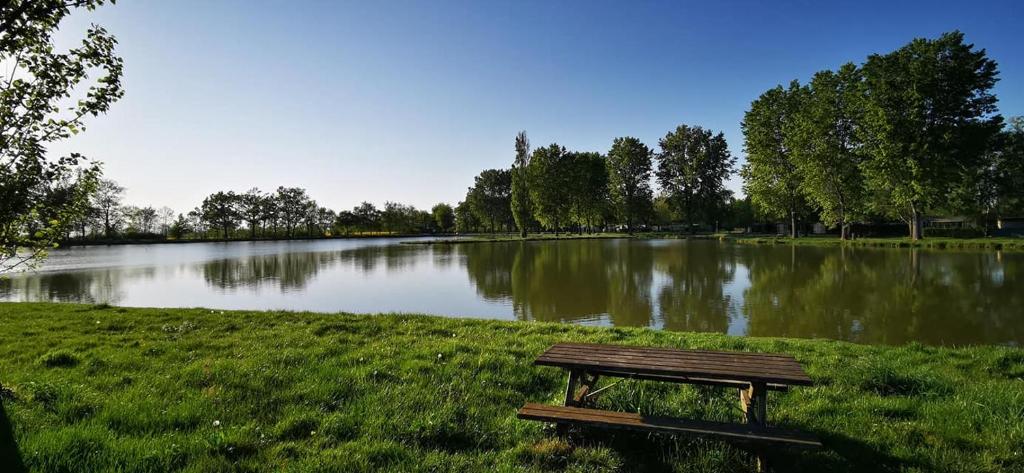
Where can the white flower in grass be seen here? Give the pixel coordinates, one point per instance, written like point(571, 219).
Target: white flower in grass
point(438, 356)
point(216, 423)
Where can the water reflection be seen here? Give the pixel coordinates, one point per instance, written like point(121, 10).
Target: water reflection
point(862, 295)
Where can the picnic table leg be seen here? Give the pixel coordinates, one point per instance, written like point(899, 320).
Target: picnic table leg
point(570, 398)
point(753, 401)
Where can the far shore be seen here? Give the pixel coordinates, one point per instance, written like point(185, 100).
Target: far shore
point(941, 243)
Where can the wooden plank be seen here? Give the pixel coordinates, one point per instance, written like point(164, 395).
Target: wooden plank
point(625, 420)
point(680, 355)
point(793, 367)
point(694, 370)
point(736, 366)
point(674, 350)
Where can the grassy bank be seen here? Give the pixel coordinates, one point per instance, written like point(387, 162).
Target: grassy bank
point(506, 237)
point(1005, 244)
point(94, 388)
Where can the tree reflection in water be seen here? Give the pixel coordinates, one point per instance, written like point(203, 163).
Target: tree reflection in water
point(863, 295)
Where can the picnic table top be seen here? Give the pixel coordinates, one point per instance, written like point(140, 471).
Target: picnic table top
point(675, 364)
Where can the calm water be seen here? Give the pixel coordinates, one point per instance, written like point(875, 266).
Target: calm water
point(863, 295)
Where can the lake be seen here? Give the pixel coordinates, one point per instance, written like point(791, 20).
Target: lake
point(875, 296)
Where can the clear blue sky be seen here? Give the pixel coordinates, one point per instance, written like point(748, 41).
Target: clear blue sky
point(407, 101)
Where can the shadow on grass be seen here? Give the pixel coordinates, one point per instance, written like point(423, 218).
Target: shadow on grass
point(841, 453)
point(10, 458)
point(643, 452)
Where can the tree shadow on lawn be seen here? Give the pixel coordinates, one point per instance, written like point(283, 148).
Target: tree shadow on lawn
point(652, 452)
point(10, 458)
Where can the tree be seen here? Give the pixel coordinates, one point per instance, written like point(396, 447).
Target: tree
point(292, 206)
point(929, 116)
point(823, 141)
point(165, 218)
point(146, 218)
point(629, 180)
point(107, 199)
point(521, 208)
point(220, 210)
point(35, 111)
point(180, 227)
point(770, 176)
point(1006, 182)
point(692, 167)
point(465, 219)
point(490, 198)
point(252, 209)
point(444, 217)
point(549, 186)
point(367, 216)
point(589, 189)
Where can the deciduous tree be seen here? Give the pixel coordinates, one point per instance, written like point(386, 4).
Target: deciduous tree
point(770, 176)
point(550, 186)
point(929, 117)
point(822, 137)
point(692, 168)
point(629, 180)
point(34, 112)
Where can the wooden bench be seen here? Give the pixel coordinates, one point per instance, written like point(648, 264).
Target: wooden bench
point(753, 374)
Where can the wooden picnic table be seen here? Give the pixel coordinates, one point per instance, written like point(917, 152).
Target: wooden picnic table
point(753, 374)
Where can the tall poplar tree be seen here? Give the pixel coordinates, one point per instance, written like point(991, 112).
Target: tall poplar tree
point(521, 208)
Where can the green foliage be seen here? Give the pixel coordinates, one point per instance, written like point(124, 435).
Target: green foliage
point(770, 175)
point(629, 180)
point(825, 148)
point(928, 119)
point(1002, 185)
point(589, 189)
point(522, 210)
point(550, 185)
point(444, 217)
point(40, 198)
point(490, 198)
point(272, 391)
point(220, 210)
point(692, 167)
point(465, 219)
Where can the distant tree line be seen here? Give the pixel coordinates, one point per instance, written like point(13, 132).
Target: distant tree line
point(907, 134)
point(555, 189)
point(288, 212)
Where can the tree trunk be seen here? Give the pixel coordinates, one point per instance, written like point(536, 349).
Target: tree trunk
point(792, 224)
point(915, 224)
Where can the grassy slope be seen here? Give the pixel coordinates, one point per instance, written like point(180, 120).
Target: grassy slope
point(99, 388)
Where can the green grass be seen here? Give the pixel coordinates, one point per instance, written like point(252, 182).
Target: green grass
point(99, 388)
point(1005, 243)
point(505, 237)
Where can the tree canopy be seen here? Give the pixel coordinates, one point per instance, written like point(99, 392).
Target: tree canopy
point(40, 196)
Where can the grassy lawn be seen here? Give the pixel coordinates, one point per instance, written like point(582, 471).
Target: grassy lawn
point(96, 388)
point(995, 243)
